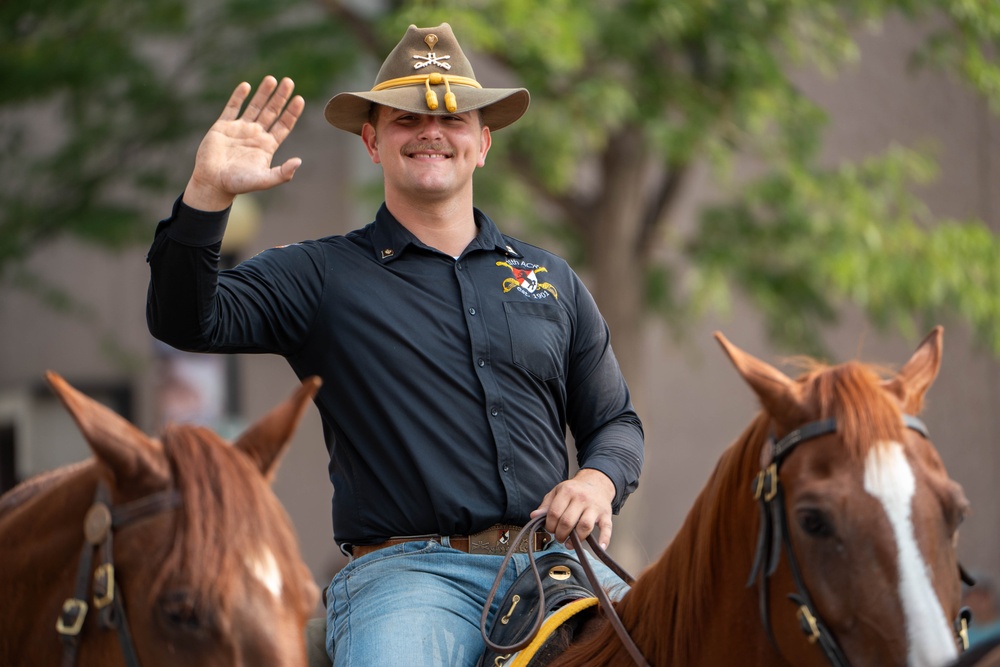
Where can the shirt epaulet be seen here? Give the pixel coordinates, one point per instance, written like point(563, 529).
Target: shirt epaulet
point(388, 236)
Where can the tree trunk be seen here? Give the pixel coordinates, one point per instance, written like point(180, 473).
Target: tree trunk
point(617, 281)
point(617, 272)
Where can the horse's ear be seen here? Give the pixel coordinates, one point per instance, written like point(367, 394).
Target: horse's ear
point(780, 396)
point(136, 460)
point(266, 439)
point(916, 377)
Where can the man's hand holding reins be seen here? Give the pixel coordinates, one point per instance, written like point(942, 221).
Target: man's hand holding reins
point(235, 156)
point(581, 504)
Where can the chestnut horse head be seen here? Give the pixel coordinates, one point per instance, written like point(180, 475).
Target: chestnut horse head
point(836, 507)
point(155, 552)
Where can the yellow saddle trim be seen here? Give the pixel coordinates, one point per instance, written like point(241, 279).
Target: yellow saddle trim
point(561, 615)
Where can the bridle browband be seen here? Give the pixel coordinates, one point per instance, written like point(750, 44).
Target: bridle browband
point(773, 533)
point(99, 525)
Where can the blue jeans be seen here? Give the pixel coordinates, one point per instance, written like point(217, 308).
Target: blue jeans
point(419, 603)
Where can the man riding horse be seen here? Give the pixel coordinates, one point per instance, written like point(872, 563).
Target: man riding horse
point(447, 395)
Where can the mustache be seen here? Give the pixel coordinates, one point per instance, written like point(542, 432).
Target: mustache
point(434, 147)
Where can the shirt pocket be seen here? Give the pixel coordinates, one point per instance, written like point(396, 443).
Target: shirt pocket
point(539, 336)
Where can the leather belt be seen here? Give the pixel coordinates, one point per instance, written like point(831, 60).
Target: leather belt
point(494, 540)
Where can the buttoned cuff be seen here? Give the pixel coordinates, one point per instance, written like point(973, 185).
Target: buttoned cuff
point(196, 228)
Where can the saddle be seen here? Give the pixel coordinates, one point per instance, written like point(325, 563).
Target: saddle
point(566, 603)
point(569, 600)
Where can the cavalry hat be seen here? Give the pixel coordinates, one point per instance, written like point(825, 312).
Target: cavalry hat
point(428, 73)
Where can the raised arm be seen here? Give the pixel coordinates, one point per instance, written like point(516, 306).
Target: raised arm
point(235, 156)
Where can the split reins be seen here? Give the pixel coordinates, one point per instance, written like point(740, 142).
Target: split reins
point(774, 533)
point(604, 602)
point(99, 525)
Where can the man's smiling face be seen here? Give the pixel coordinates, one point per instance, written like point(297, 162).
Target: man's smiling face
point(426, 156)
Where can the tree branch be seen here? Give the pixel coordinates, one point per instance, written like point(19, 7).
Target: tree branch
point(654, 217)
point(573, 210)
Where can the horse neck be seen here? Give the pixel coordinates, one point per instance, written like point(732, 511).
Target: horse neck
point(696, 590)
point(50, 500)
point(33, 486)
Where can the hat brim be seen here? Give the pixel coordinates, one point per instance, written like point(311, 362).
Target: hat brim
point(500, 106)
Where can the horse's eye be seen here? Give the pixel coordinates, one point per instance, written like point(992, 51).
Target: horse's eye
point(814, 523)
point(181, 613)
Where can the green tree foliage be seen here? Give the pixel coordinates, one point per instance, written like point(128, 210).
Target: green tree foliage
point(102, 100)
point(628, 97)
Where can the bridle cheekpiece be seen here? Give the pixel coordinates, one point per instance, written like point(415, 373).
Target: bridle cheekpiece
point(99, 525)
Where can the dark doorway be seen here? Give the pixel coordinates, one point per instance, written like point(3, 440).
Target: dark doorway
point(8, 457)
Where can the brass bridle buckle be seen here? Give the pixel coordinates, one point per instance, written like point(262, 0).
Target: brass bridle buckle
point(104, 585)
point(70, 621)
point(962, 627)
point(809, 625)
point(767, 478)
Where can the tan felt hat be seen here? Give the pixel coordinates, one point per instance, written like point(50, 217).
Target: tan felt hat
point(428, 73)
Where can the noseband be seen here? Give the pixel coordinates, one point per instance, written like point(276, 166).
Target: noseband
point(774, 533)
point(99, 525)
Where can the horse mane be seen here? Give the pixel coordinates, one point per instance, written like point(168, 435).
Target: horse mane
point(223, 518)
point(853, 395)
point(670, 606)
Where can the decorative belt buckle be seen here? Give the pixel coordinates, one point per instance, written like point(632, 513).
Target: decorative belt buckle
point(496, 540)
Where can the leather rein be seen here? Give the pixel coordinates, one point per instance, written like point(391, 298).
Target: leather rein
point(604, 602)
point(774, 534)
point(99, 525)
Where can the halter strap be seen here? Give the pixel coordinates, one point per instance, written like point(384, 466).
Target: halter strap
point(99, 524)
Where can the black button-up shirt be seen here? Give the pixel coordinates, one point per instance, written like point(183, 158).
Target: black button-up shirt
point(448, 384)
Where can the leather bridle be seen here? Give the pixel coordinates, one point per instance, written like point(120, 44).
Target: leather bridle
point(99, 525)
point(774, 533)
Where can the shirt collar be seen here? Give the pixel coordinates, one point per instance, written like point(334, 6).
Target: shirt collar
point(391, 238)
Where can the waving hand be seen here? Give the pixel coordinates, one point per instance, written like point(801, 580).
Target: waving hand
point(235, 156)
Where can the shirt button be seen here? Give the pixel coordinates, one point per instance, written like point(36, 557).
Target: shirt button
point(482, 363)
point(494, 412)
point(472, 311)
point(506, 467)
